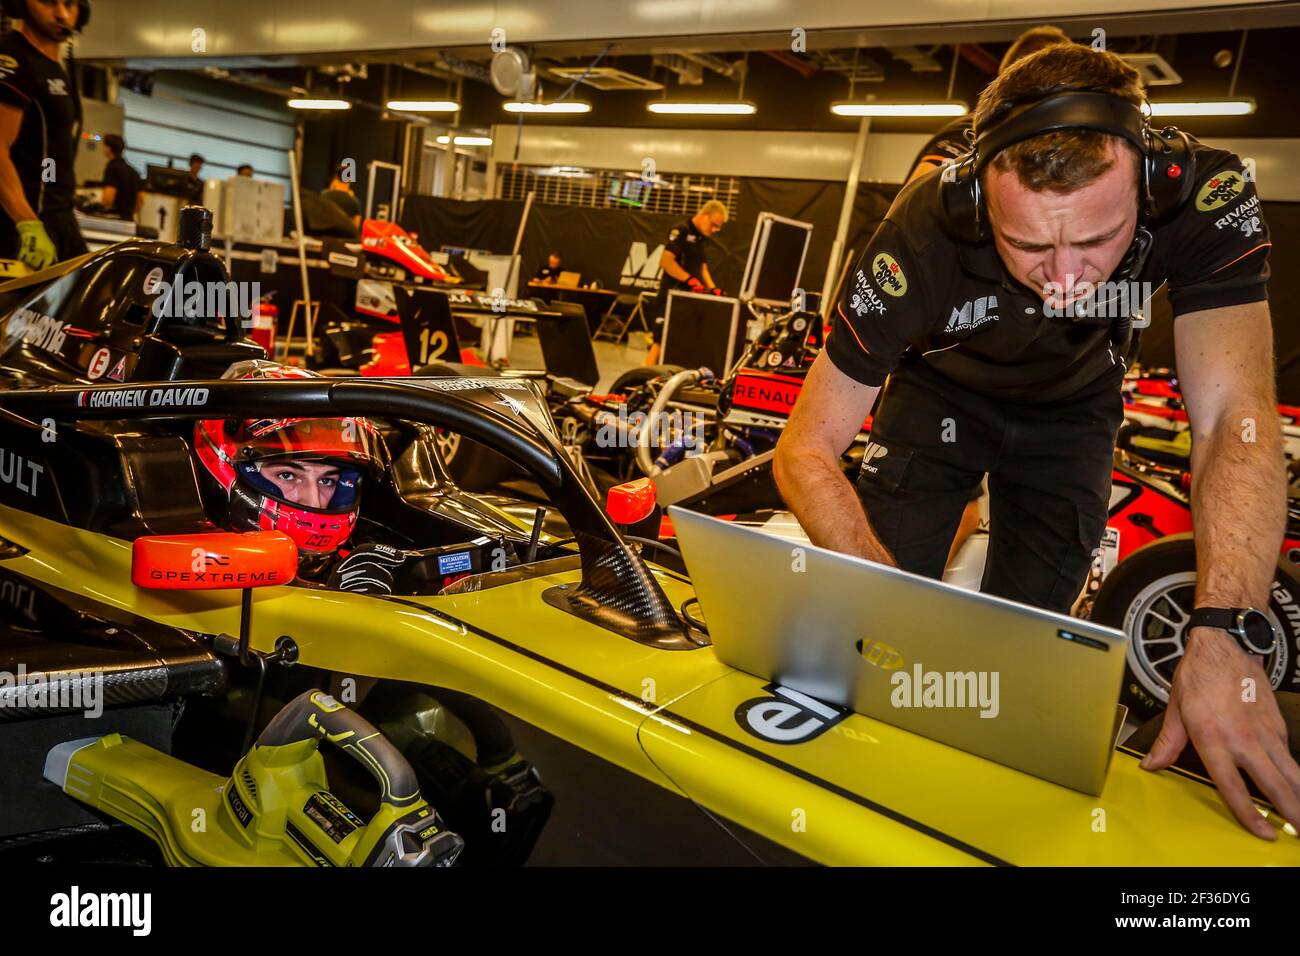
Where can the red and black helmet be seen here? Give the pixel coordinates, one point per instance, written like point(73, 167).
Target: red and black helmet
point(232, 452)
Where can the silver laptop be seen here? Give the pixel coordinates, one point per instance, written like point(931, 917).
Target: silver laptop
point(1030, 689)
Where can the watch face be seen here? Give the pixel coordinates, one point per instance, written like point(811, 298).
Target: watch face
point(1256, 630)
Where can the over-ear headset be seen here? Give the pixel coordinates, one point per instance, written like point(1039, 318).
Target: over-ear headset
point(17, 9)
point(1167, 167)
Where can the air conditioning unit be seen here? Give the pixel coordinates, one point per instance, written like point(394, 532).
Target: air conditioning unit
point(1155, 69)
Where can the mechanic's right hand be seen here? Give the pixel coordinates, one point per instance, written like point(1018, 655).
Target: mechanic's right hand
point(695, 285)
point(369, 569)
point(35, 247)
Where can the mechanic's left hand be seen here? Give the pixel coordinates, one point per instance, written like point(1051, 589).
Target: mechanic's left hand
point(1206, 705)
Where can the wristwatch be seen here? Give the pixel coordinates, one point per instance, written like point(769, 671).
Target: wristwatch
point(1250, 626)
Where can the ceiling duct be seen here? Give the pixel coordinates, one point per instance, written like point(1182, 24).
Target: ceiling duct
point(690, 67)
point(689, 73)
point(916, 60)
point(344, 71)
point(468, 69)
point(716, 64)
point(856, 67)
point(604, 78)
point(1155, 69)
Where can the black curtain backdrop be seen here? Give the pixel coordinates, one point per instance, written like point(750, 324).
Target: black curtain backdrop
point(488, 224)
point(599, 243)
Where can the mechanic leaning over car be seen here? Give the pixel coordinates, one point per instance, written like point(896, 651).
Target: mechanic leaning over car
point(40, 121)
point(972, 307)
point(950, 142)
point(685, 265)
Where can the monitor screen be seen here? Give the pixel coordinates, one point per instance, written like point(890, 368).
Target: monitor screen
point(165, 179)
point(778, 272)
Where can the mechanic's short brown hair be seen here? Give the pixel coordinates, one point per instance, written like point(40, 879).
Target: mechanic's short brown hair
point(1066, 160)
point(1031, 41)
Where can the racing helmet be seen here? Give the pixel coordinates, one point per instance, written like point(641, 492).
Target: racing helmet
point(232, 453)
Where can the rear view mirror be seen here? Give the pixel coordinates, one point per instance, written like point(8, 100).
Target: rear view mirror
point(217, 560)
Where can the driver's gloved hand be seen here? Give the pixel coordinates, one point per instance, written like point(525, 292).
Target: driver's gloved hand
point(369, 569)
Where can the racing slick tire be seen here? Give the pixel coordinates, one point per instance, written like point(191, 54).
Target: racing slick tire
point(1148, 596)
point(472, 466)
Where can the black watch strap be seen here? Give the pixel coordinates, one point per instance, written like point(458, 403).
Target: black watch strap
point(1243, 623)
point(1224, 618)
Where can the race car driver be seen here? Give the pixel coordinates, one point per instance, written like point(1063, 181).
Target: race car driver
point(997, 365)
point(305, 477)
point(302, 476)
point(685, 265)
point(39, 119)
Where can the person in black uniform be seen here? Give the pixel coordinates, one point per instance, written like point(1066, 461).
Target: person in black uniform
point(341, 195)
point(39, 120)
point(121, 183)
point(990, 297)
point(195, 180)
point(952, 139)
point(685, 265)
point(550, 271)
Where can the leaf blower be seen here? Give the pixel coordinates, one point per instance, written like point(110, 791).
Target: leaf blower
point(276, 809)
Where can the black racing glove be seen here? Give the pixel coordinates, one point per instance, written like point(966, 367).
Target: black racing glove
point(369, 569)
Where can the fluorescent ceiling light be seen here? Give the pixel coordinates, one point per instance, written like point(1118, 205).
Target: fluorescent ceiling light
point(308, 103)
point(1201, 108)
point(424, 106)
point(864, 108)
point(466, 140)
point(563, 106)
point(715, 109)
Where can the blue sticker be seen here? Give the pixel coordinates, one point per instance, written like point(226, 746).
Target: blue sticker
point(454, 563)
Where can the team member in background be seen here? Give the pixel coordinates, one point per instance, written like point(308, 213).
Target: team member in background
point(121, 183)
point(980, 298)
point(39, 120)
point(340, 194)
point(685, 265)
point(953, 139)
point(245, 170)
point(550, 272)
point(196, 181)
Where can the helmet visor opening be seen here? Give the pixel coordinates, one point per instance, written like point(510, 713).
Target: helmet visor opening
point(347, 440)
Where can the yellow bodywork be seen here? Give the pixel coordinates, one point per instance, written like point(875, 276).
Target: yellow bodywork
point(863, 792)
